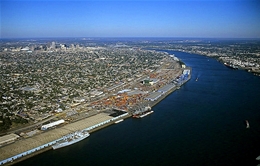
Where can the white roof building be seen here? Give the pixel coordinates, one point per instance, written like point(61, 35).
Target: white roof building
point(45, 127)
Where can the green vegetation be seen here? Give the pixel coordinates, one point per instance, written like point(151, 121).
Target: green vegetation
point(5, 123)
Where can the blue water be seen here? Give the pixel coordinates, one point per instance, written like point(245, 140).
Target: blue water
point(202, 123)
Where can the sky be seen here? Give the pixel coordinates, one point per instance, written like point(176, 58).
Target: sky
point(125, 18)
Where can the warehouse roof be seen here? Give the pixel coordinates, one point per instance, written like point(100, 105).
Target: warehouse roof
point(166, 88)
point(153, 96)
point(8, 138)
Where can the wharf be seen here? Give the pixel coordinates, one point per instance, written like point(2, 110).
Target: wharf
point(159, 99)
point(27, 144)
point(153, 103)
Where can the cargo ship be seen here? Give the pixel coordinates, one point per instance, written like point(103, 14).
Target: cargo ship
point(71, 139)
point(142, 112)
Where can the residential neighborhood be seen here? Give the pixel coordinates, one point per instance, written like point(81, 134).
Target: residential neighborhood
point(61, 82)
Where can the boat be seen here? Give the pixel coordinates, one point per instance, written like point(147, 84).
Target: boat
point(197, 78)
point(71, 139)
point(121, 120)
point(247, 124)
point(142, 112)
point(145, 114)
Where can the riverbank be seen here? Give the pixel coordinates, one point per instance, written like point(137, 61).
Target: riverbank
point(50, 148)
point(195, 118)
point(29, 147)
point(153, 103)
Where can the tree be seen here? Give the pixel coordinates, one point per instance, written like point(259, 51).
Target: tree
point(6, 123)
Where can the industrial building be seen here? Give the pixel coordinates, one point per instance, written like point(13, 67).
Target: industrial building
point(8, 139)
point(31, 145)
point(166, 88)
point(150, 81)
point(45, 127)
point(153, 96)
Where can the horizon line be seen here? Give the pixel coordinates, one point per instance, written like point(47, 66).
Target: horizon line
point(84, 37)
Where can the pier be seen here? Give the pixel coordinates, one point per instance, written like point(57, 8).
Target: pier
point(24, 148)
point(169, 91)
point(28, 147)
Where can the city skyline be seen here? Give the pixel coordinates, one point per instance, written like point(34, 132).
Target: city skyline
point(197, 18)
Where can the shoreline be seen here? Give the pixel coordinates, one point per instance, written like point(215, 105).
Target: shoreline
point(170, 91)
point(50, 148)
point(15, 160)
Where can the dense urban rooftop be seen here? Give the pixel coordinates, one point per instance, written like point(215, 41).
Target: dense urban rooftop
point(40, 78)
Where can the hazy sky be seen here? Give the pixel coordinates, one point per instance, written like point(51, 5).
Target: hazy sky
point(125, 18)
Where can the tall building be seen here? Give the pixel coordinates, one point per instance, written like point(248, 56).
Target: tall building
point(72, 46)
point(53, 45)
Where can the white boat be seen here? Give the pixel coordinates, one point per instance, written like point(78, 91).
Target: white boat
point(145, 114)
point(71, 139)
point(119, 121)
point(247, 124)
point(142, 112)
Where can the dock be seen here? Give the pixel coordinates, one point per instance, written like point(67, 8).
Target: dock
point(28, 147)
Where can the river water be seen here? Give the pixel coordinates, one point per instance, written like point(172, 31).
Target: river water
point(202, 123)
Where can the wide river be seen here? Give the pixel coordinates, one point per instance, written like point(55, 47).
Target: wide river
point(202, 123)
